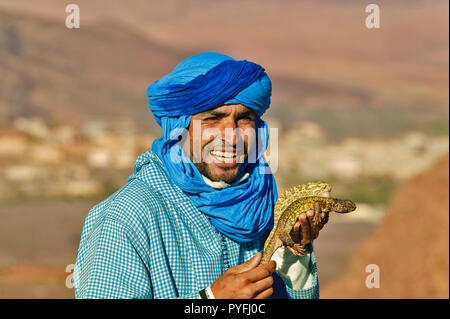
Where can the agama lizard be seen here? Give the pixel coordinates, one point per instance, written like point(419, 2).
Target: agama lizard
point(299, 203)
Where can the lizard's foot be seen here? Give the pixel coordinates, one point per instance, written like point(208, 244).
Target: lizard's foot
point(297, 250)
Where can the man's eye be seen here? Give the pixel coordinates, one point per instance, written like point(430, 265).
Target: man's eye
point(212, 118)
point(245, 118)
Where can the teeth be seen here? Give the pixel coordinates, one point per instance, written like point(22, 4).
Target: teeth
point(223, 154)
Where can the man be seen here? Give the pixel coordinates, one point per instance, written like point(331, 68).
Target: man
point(192, 219)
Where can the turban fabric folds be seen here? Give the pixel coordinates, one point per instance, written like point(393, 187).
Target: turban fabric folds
point(204, 81)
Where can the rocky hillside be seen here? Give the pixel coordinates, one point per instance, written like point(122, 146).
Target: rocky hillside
point(97, 72)
point(411, 247)
point(319, 54)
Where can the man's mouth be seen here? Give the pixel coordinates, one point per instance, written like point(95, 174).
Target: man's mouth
point(225, 158)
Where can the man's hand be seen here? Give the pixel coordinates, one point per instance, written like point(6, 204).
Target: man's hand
point(246, 281)
point(305, 230)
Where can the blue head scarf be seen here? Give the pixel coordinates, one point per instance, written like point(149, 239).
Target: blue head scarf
point(204, 81)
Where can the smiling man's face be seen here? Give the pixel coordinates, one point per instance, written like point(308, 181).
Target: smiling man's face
point(220, 141)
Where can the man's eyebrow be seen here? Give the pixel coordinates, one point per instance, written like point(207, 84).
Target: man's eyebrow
point(222, 114)
point(215, 113)
point(246, 113)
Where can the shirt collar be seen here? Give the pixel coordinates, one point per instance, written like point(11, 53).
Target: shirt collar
point(222, 184)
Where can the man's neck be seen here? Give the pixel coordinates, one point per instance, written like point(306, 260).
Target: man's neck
point(222, 184)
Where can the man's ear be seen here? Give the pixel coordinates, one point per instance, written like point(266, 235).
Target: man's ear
point(185, 142)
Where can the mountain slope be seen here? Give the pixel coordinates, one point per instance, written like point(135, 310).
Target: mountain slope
point(411, 247)
point(98, 72)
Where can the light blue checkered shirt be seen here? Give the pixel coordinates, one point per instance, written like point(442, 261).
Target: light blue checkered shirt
point(147, 240)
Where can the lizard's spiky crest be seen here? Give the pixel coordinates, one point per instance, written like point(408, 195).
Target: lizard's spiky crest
point(292, 194)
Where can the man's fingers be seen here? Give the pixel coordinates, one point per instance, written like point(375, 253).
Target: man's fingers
point(314, 221)
point(249, 264)
point(314, 227)
point(298, 232)
point(265, 294)
point(306, 234)
point(295, 232)
point(262, 285)
point(261, 272)
point(324, 220)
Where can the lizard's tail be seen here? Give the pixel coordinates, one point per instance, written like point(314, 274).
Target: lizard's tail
point(268, 249)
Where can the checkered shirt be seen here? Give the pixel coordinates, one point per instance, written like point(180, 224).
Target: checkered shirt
point(148, 240)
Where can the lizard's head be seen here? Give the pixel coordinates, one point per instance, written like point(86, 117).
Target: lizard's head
point(343, 206)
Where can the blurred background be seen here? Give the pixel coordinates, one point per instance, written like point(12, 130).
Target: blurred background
point(364, 109)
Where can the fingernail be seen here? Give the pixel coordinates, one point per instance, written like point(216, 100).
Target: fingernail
point(310, 214)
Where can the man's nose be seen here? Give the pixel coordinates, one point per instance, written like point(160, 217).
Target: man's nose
point(229, 132)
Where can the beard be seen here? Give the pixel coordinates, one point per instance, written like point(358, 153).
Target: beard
point(228, 175)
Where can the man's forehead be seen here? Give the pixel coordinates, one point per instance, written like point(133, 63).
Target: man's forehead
point(228, 108)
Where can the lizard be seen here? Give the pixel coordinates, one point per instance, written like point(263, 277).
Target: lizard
point(290, 205)
point(292, 194)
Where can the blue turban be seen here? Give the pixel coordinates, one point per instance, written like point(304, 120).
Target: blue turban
point(205, 81)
